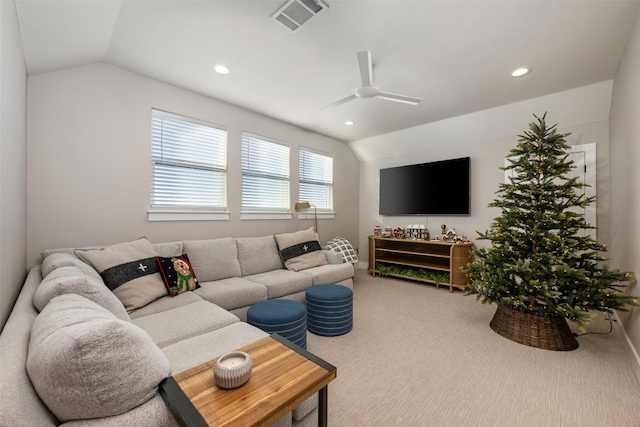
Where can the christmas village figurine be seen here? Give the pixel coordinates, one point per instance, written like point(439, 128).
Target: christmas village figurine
point(452, 236)
point(398, 233)
point(416, 232)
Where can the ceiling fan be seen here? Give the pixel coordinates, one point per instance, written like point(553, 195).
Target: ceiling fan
point(368, 90)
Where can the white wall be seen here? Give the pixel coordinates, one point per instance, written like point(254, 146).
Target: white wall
point(13, 159)
point(486, 137)
point(625, 179)
point(89, 162)
point(587, 104)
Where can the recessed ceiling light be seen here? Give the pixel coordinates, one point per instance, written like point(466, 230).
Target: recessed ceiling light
point(519, 72)
point(349, 123)
point(221, 69)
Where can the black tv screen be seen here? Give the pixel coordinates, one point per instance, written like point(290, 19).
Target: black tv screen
point(435, 188)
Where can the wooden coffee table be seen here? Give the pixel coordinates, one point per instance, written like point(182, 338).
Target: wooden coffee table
point(283, 376)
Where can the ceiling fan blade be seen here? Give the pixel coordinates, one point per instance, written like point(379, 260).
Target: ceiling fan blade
point(340, 102)
point(399, 98)
point(366, 67)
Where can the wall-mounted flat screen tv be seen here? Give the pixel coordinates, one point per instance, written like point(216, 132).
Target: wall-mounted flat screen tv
point(435, 188)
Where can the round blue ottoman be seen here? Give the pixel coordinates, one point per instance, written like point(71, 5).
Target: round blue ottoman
point(282, 316)
point(329, 310)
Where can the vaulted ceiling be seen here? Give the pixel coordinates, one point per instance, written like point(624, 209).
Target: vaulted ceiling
point(456, 55)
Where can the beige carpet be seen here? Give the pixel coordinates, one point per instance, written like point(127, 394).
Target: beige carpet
point(420, 356)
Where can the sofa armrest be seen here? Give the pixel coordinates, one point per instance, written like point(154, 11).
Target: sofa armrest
point(19, 402)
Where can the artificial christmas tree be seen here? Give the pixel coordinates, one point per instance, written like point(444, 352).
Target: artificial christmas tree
point(540, 269)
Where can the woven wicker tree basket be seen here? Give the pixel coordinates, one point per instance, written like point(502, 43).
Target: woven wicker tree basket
point(534, 330)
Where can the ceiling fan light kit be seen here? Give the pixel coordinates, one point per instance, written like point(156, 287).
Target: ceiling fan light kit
point(368, 90)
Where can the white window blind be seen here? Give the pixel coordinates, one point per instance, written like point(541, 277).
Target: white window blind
point(316, 179)
point(265, 174)
point(189, 163)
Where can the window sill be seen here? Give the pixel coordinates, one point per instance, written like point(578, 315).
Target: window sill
point(323, 215)
point(257, 215)
point(187, 215)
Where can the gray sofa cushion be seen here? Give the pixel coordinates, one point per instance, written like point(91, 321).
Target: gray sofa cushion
point(168, 249)
point(331, 273)
point(152, 413)
point(70, 280)
point(202, 348)
point(258, 254)
point(165, 303)
point(282, 282)
point(84, 362)
point(184, 322)
point(58, 260)
point(232, 293)
point(213, 259)
point(310, 420)
point(305, 408)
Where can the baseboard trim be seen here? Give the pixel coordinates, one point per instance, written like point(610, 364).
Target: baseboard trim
point(634, 358)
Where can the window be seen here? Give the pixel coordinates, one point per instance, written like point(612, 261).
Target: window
point(265, 176)
point(316, 179)
point(189, 168)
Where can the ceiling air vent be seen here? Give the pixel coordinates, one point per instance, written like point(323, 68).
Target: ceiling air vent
point(295, 14)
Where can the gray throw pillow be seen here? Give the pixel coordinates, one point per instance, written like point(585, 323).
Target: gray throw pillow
point(84, 362)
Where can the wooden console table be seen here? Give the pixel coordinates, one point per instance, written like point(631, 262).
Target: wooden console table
point(433, 255)
point(283, 376)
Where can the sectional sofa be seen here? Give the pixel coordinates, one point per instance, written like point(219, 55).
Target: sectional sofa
point(74, 355)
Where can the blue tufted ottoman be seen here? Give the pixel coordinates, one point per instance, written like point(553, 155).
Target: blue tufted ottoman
point(282, 316)
point(329, 309)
